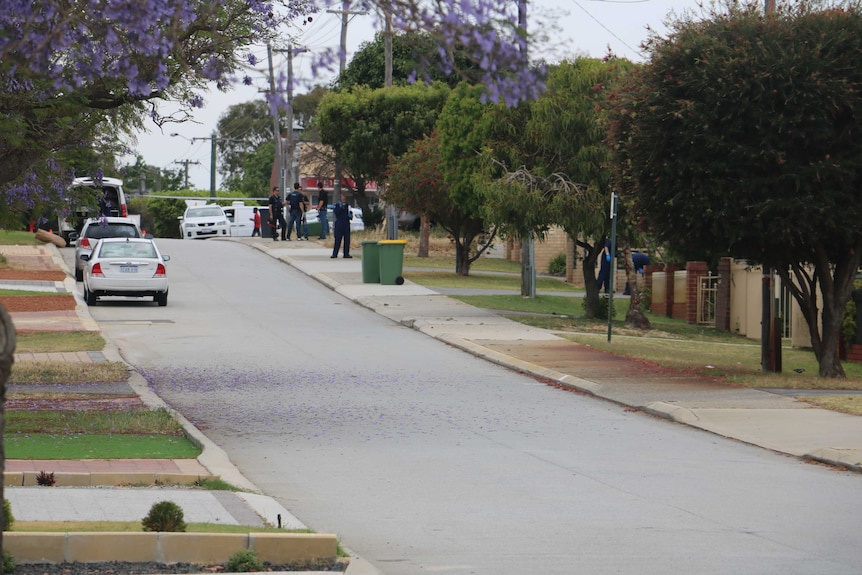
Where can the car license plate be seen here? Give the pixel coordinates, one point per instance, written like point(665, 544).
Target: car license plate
point(129, 269)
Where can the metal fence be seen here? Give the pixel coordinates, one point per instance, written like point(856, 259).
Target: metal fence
point(707, 294)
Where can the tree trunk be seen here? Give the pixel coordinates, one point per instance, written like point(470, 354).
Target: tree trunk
point(7, 356)
point(424, 235)
point(591, 301)
point(836, 284)
point(634, 316)
point(462, 257)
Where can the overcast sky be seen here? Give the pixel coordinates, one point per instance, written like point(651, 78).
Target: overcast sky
point(585, 27)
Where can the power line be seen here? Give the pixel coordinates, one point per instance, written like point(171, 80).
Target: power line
point(608, 30)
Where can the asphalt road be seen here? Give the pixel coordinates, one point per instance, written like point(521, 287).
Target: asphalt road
point(425, 459)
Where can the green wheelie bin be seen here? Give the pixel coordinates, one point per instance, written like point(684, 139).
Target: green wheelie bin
point(370, 262)
point(391, 261)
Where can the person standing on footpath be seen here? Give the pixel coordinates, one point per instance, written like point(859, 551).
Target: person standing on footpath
point(341, 230)
point(276, 214)
point(256, 219)
point(305, 205)
point(322, 203)
point(294, 208)
point(603, 281)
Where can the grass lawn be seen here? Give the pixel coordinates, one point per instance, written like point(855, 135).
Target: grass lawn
point(11, 238)
point(50, 342)
point(479, 280)
point(64, 373)
point(97, 446)
point(132, 434)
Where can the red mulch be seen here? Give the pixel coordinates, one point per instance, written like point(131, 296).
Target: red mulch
point(33, 275)
point(25, 303)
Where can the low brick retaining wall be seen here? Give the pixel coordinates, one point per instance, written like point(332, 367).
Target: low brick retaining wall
point(197, 548)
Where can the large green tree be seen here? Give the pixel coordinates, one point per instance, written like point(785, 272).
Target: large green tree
point(466, 127)
point(242, 129)
point(416, 184)
point(741, 136)
point(368, 127)
point(555, 168)
point(415, 56)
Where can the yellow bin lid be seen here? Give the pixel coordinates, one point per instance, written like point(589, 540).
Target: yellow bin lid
point(392, 242)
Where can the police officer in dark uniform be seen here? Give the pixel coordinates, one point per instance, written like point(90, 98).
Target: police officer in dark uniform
point(276, 214)
point(295, 208)
point(341, 230)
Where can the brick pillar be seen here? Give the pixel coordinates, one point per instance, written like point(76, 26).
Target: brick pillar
point(669, 270)
point(695, 271)
point(722, 298)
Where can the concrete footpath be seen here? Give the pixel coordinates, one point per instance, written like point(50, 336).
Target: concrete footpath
point(768, 420)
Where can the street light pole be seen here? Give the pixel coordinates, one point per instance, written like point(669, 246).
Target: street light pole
point(213, 166)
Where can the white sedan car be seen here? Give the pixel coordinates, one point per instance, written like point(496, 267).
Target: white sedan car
point(207, 221)
point(131, 267)
point(356, 223)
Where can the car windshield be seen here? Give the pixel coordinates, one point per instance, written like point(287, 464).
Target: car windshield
point(204, 212)
point(99, 231)
point(127, 250)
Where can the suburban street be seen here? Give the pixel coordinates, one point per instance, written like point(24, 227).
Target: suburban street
point(424, 459)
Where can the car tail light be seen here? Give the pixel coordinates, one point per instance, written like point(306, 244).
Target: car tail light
point(97, 270)
point(85, 243)
point(124, 211)
point(160, 271)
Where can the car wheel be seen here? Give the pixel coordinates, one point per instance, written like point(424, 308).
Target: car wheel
point(162, 299)
point(89, 296)
point(79, 275)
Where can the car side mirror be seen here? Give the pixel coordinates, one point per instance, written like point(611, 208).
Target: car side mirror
point(166, 258)
point(73, 237)
point(85, 257)
point(148, 236)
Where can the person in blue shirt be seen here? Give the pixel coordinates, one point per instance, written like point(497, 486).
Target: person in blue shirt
point(604, 278)
point(295, 211)
point(341, 229)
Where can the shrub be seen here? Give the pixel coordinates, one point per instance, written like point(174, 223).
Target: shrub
point(164, 516)
point(8, 518)
point(243, 562)
point(45, 479)
point(602, 308)
point(646, 299)
point(8, 562)
point(557, 266)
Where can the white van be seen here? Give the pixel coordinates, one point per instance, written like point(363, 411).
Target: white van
point(108, 200)
point(241, 219)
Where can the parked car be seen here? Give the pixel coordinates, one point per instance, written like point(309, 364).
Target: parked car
point(131, 267)
point(110, 200)
point(97, 228)
point(207, 221)
point(356, 223)
point(408, 221)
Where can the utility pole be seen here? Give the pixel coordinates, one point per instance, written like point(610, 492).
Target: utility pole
point(276, 132)
point(213, 141)
point(770, 340)
point(528, 244)
point(185, 164)
point(342, 64)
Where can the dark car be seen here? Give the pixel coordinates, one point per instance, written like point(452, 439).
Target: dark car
point(97, 228)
